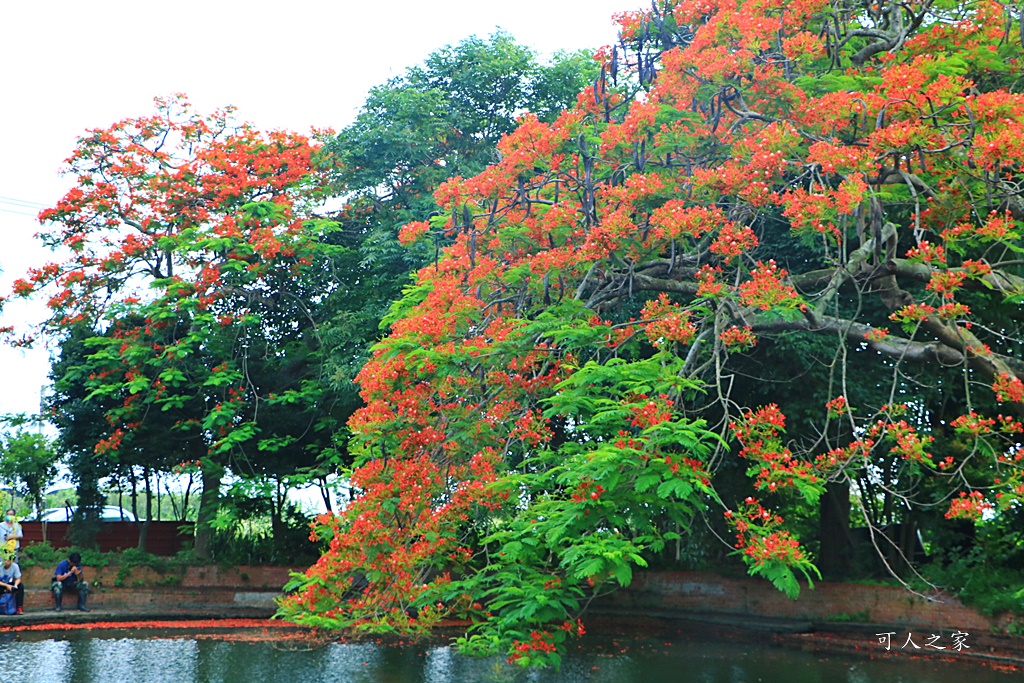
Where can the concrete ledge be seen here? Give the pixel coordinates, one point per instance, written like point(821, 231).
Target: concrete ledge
point(70, 615)
point(187, 590)
point(701, 593)
point(201, 576)
point(263, 599)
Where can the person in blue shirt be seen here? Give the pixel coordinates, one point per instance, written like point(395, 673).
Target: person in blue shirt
point(68, 576)
point(10, 581)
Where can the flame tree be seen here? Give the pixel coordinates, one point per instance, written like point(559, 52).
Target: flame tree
point(830, 185)
point(178, 294)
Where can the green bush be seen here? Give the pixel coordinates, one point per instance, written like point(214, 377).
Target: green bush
point(45, 555)
point(979, 582)
point(244, 535)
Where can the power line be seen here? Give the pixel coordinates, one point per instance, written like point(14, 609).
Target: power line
point(19, 213)
point(14, 200)
point(28, 208)
point(21, 202)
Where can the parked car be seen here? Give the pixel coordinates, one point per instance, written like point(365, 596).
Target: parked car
point(109, 513)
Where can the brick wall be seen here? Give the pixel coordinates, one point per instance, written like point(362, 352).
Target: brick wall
point(180, 589)
point(706, 593)
point(680, 593)
point(162, 538)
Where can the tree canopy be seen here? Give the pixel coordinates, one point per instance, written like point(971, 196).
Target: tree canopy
point(210, 306)
point(755, 267)
point(179, 296)
point(749, 194)
point(28, 459)
point(438, 120)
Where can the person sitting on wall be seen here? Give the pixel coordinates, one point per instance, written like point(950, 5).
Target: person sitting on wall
point(10, 533)
point(10, 581)
point(68, 577)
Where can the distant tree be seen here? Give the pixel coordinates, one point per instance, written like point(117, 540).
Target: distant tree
point(80, 421)
point(28, 459)
point(181, 299)
point(438, 120)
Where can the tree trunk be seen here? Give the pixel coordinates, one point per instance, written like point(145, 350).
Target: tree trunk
point(37, 500)
point(184, 500)
point(144, 529)
point(208, 502)
point(85, 522)
point(325, 493)
point(135, 495)
point(277, 527)
point(174, 503)
point(835, 548)
point(911, 553)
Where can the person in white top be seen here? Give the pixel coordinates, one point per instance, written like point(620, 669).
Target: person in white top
point(10, 533)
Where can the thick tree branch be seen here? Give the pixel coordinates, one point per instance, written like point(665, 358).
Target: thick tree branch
point(857, 333)
point(888, 40)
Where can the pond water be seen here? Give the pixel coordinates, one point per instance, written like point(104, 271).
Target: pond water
point(140, 656)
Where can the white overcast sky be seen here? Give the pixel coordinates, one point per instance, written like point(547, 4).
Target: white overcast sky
point(69, 65)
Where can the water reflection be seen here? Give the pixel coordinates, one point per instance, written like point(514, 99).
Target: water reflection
point(48, 661)
point(114, 657)
point(99, 660)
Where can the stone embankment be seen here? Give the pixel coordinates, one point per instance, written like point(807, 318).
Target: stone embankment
point(831, 617)
point(227, 591)
point(697, 593)
point(846, 618)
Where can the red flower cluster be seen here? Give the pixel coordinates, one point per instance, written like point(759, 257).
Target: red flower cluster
point(760, 538)
point(774, 465)
point(971, 506)
point(540, 641)
point(1008, 389)
point(670, 323)
point(766, 288)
